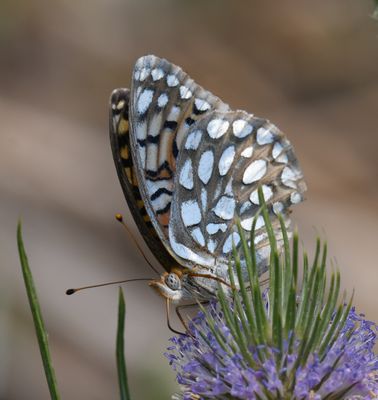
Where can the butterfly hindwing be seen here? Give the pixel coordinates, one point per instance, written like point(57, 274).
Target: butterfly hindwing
point(190, 168)
point(223, 160)
point(120, 143)
point(164, 104)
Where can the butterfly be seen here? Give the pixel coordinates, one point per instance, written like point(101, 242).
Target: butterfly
point(190, 167)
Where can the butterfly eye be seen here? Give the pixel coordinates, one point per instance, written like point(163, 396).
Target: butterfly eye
point(173, 281)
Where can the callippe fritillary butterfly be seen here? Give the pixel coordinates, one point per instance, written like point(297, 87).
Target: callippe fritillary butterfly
point(190, 168)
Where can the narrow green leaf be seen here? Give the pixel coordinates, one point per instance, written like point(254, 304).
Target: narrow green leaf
point(268, 223)
point(219, 336)
point(272, 241)
point(258, 307)
point(335, 327)
point(226, 310)
point(237, 303)
point(287, 271)
point(37, 318)
point(261, 317)
point(329, 307)
point(313, 304)
point(276, 308)
point(334, 295)
point(311, 342)
point(243, 291)
point(246, 250)
point(318, 300)
point(227, 345)
point(311, 318)
point(325, 344)
point(233, 325)
point(232, 278)
point(291, 311)
point(120, 349)
point(240, 312)
point(303, 294)
point(257, 297)
point(308, 288)
point(340, 325)
point(295, 256)
point(253, 334)
point(317, 253)
point(324, 255)
point(252, 267)
point(323, 276)
point(240, 339)
point(236, 296)
point(290, 318)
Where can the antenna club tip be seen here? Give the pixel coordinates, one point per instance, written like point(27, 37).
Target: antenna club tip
point(119, 217)
point(70, 291)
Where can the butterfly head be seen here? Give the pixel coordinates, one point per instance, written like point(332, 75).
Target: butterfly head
point(169, 285)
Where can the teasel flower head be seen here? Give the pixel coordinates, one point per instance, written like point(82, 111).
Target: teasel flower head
point(297, 339)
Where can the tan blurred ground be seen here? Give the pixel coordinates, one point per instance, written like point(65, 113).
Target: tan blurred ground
point(309, 66)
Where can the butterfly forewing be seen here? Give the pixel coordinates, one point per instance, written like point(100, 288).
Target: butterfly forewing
point(120, 143)
point(223, 160)
point(164, 104)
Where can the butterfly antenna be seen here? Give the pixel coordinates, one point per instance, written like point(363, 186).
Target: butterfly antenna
point(72, 291)
point(119, 218)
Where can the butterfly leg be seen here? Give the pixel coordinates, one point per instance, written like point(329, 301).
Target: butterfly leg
point(183, 306)
point(208, 276)
point(167, 304)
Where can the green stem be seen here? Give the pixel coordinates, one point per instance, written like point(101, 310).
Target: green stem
point(120, 349)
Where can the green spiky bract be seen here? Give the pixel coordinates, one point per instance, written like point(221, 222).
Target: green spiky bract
point(305, 312)
point(37, 317)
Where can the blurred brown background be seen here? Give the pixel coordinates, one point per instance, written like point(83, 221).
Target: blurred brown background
point(311, 67)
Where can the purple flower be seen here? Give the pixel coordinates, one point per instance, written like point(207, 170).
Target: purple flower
point(215, 366)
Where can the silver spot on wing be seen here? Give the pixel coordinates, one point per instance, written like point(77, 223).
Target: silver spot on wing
point(225, 207)
point(216, 128)
point(190, 213)
point(205, 166)
point(226, 160)
point(254, 172)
